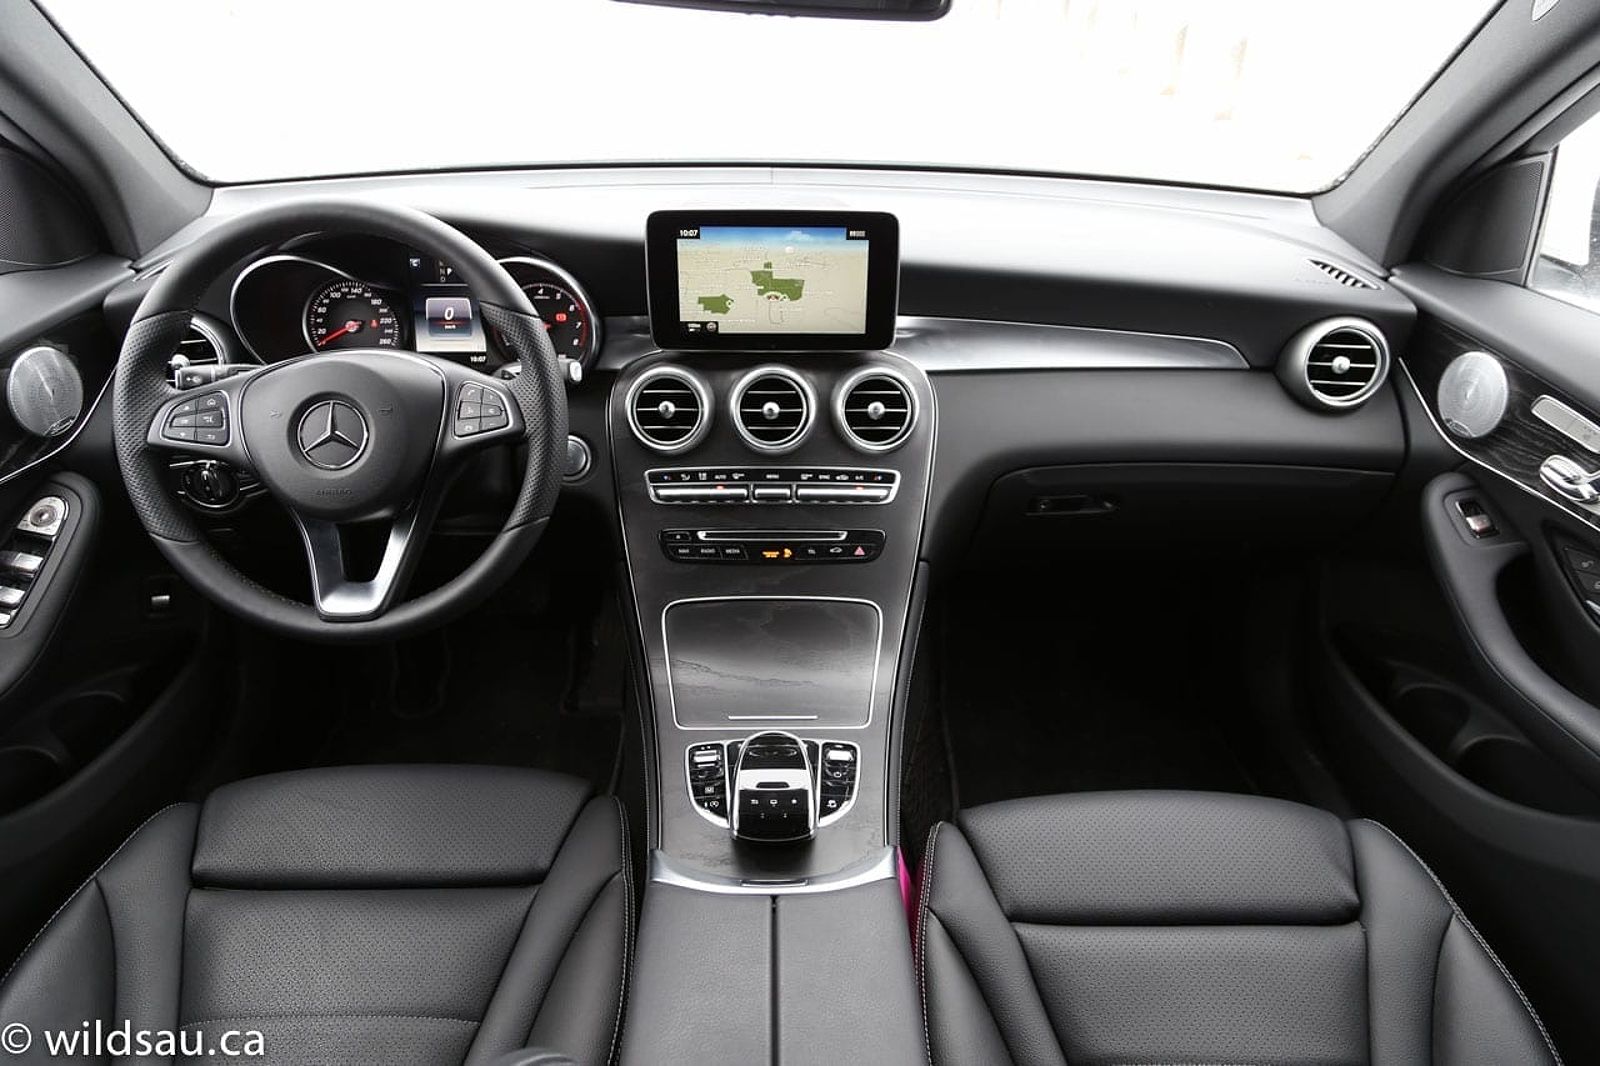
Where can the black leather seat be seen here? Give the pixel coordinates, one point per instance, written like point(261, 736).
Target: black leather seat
point(390, 915)
point(1145, 927)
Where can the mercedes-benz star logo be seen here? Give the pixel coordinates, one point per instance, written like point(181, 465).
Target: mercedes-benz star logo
point(332, 435)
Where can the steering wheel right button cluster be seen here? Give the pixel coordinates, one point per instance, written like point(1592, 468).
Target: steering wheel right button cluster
point(480, 409)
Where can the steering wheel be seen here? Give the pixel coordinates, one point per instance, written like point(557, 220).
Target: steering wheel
point(358, 435)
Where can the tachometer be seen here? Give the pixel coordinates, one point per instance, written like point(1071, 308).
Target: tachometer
point(562, 304)
point(349, 314)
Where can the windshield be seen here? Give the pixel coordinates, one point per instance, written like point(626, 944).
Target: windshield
point(1267, 94)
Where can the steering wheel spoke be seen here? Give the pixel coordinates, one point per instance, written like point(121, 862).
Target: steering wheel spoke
point(340, 598)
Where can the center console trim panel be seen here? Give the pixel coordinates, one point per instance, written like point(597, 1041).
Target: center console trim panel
point(881, 865)
point(753, 720)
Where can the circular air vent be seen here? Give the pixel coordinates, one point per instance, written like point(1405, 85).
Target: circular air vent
point(875, 409)
point(1336, 364)
point(669, 409)
point(200, 347)
point(772, 408)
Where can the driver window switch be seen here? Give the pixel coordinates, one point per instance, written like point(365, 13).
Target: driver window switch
point(21, 563)
point(1478, 522)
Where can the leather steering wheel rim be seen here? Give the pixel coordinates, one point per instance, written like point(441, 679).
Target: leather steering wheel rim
point(142, 393)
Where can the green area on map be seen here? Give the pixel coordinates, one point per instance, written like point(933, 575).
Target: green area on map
point(789, 288)
point(716, 305)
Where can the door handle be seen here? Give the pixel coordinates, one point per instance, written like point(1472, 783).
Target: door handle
point(1571, 480)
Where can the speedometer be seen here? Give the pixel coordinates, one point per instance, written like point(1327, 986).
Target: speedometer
point(349, 314)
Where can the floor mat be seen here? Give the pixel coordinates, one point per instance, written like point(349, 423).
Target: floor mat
point(491, 691)
point(510, 688)
point(1101, 682)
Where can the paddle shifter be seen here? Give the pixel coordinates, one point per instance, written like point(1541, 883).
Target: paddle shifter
point(773, 790)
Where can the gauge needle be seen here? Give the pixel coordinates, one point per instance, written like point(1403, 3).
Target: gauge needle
point(352, 326)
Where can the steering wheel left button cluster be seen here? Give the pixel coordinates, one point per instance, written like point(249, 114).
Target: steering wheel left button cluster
point(480, 409)
point(202, 420)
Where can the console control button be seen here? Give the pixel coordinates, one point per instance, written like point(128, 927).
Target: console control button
point(840, 494)
point(708, 780)
point(767, 547)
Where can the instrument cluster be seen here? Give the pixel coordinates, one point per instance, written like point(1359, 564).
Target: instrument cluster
point(351, 293)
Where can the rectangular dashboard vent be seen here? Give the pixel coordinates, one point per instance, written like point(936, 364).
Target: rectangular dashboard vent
point(1342, 276)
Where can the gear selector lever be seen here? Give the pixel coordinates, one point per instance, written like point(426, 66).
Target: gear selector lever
point(774, 801)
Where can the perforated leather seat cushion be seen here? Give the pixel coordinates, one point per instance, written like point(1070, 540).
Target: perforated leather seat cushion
point(391, 915)
point(1181, 927)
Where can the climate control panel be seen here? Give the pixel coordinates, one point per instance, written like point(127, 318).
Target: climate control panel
point(772, 485)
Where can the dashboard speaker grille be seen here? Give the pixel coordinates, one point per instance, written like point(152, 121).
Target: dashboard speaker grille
point(1344, 277)
point(669, 410)
point(876, 410)
point(773, 410)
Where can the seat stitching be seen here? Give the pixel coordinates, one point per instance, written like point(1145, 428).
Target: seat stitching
point(922, 937)
point(91, 880)
point(511, 954)
point(627, 929)
point(1461, 917)
point(576, 929)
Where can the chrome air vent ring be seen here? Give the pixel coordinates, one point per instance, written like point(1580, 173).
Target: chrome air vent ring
point(875, 409)
point(669, 409)
point(1336, 364)
point(773, 408)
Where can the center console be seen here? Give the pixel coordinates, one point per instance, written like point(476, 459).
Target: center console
point(772, 466)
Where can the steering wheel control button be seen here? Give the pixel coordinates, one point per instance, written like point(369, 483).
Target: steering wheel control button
point(203, 420)
point(480, 409)
point(333, 434)
point(44, 518)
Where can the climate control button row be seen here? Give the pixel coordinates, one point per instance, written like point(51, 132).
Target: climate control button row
point(772, 485)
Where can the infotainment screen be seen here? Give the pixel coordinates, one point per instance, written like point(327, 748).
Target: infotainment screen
point(772, 280)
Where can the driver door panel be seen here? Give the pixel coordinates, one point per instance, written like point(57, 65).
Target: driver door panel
point(102, 671)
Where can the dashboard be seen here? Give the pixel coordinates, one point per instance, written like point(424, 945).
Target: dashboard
point(334, 294)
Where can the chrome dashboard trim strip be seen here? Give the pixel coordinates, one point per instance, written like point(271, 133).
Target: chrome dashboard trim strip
point(957, 345)
point(879, 865)
point(953, 345)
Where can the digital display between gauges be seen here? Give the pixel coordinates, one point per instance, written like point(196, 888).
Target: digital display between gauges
point(443, 311)
point(350, 314)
